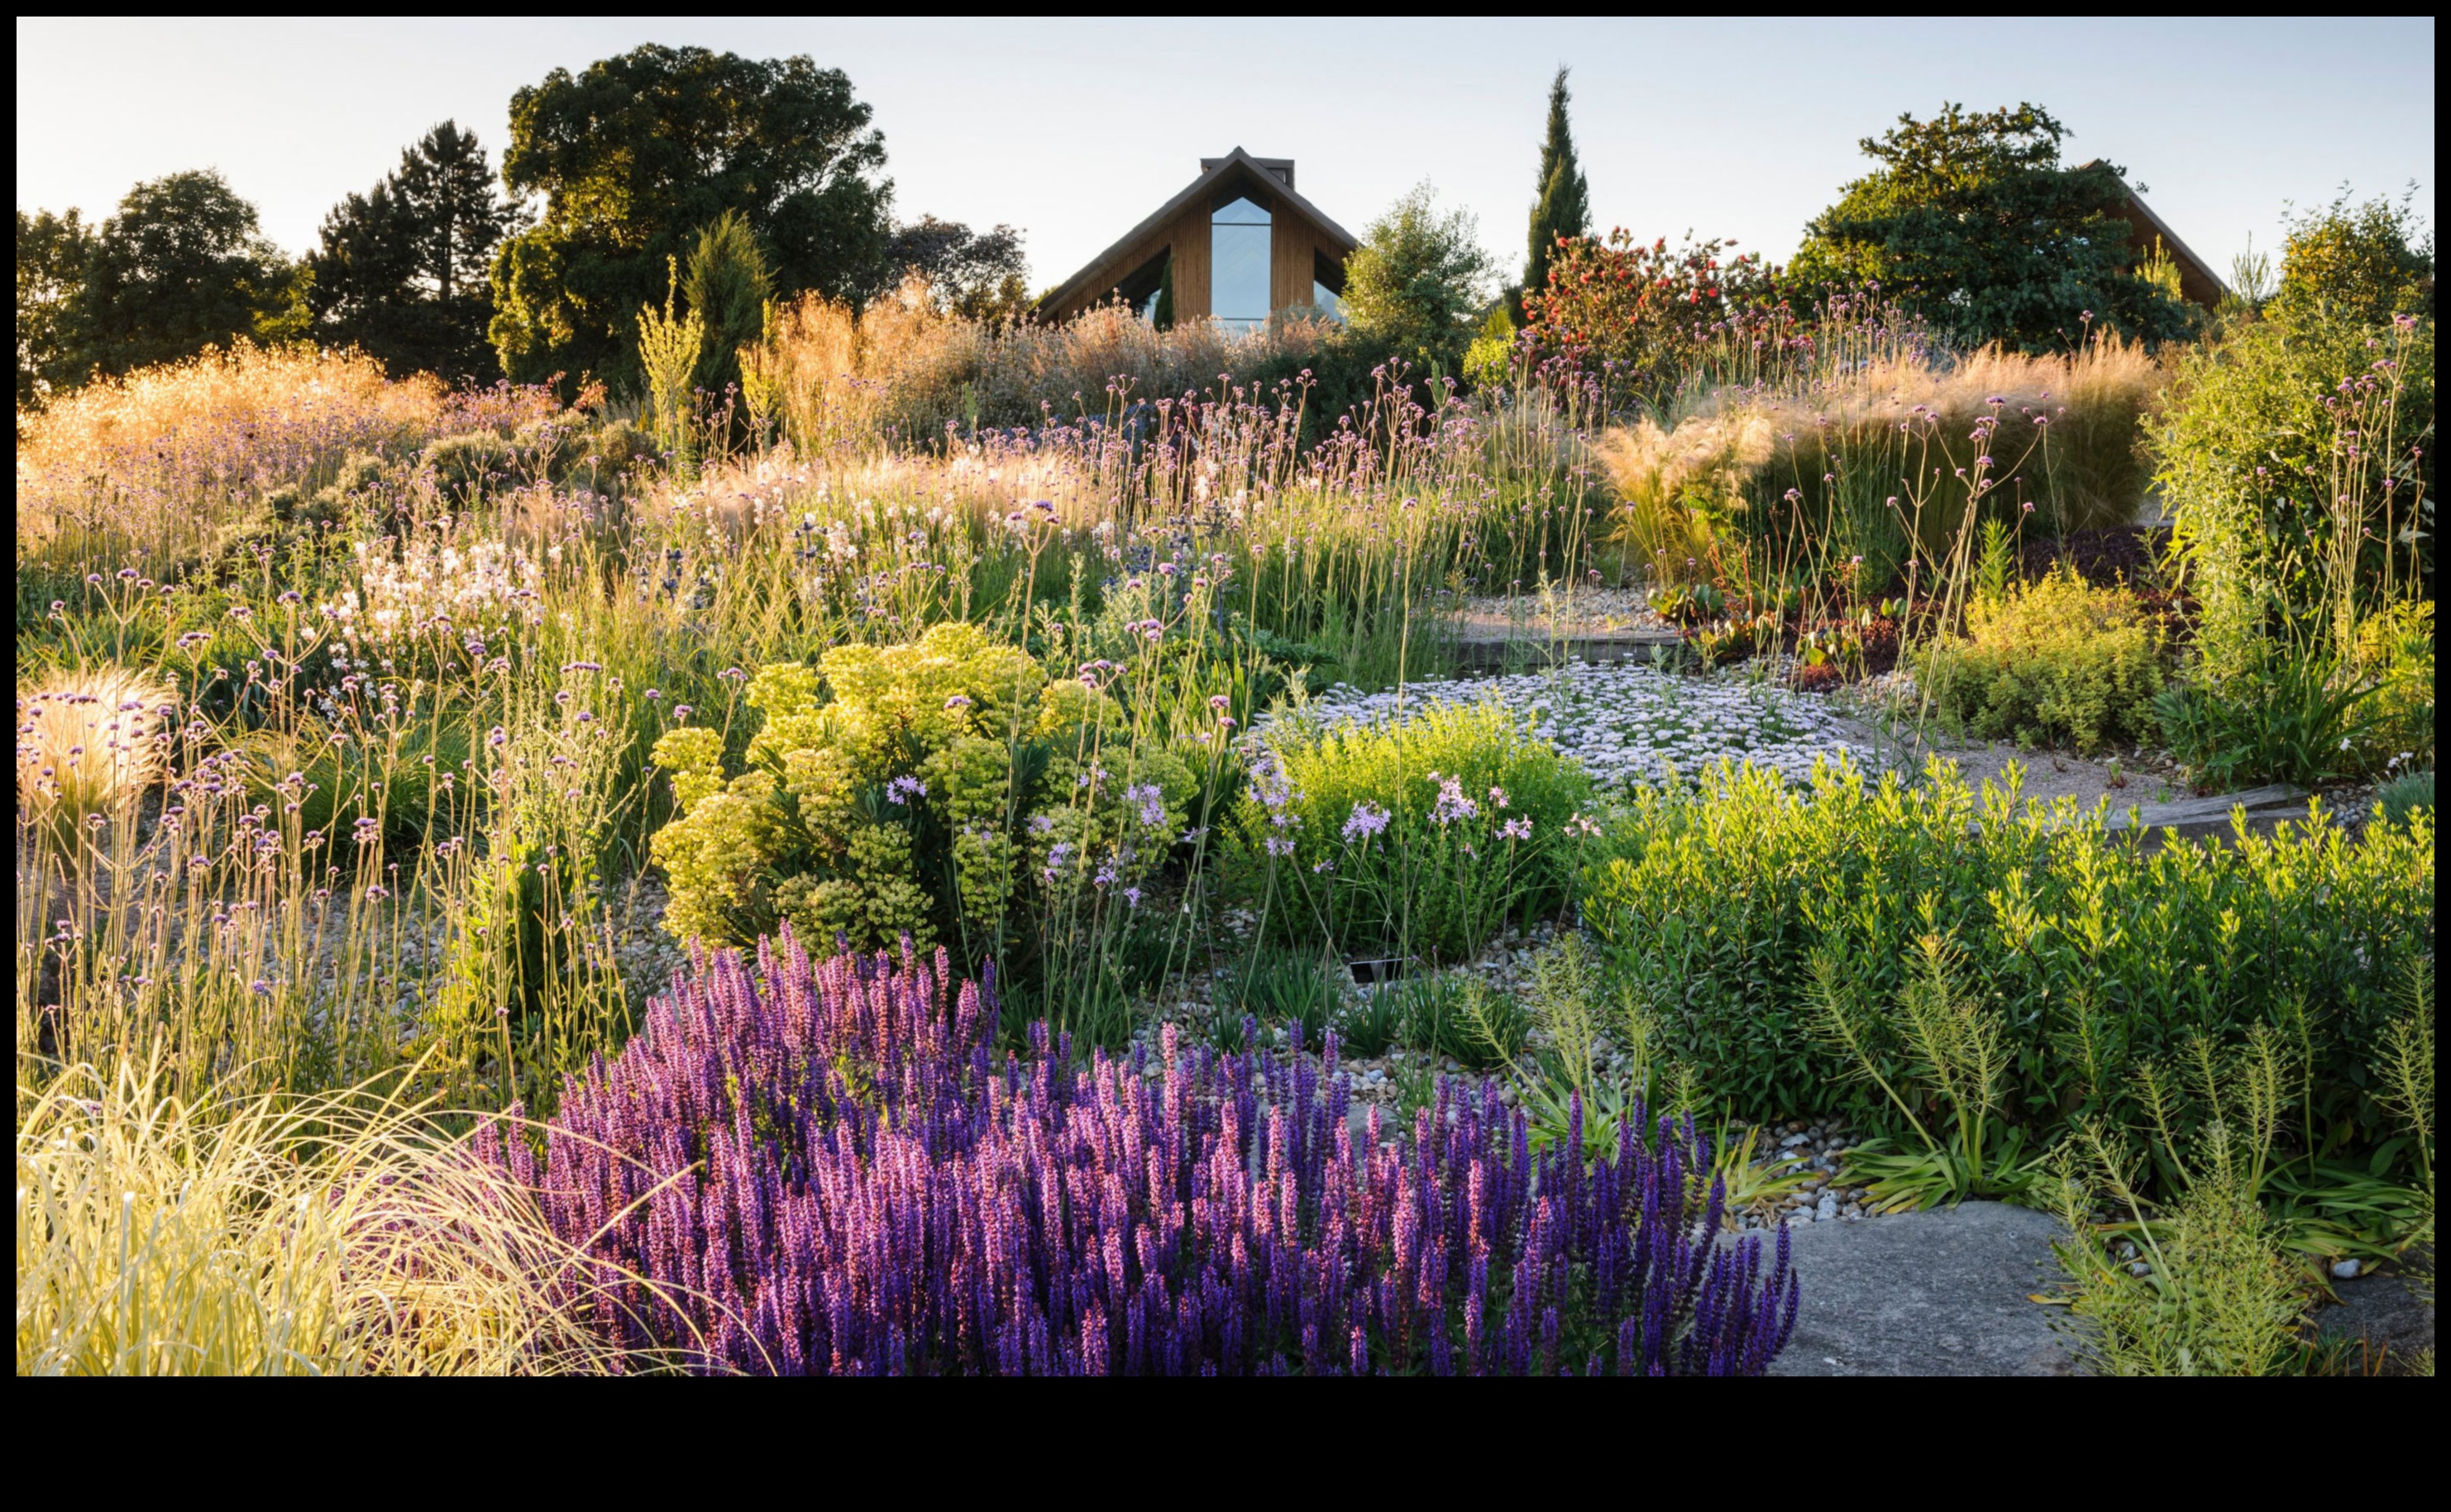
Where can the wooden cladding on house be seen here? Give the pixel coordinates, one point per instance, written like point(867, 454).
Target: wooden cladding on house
point(1305, 247)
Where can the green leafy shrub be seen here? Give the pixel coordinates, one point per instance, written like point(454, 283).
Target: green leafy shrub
point(2293, 456)
point(947, 788)
point(1425, 836)
point(2098, 949)
point(2050, 663)
point(2363, 263)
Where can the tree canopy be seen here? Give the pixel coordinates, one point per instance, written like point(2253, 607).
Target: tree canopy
point(1970, 221)
point(978, 274)
point(403, 270)
point(51, 253)
point(636, 154)
point(180, 267)
point(2360, 263)
point(1419, 278)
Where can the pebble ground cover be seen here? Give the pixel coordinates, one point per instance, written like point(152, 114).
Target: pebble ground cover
point(1630, 723)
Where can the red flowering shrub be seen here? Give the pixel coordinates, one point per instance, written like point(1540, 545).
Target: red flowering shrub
point(1639, 315)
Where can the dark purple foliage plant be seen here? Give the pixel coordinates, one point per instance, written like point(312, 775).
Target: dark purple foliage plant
point(825, 1168)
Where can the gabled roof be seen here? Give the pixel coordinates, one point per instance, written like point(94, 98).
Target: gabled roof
point(2198, 282)
point(1274, 175)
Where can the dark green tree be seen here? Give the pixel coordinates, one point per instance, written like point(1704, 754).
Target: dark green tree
point(1563, 206)
point(638, 153)
point(51, 253)
point(726, 286)
point(403, 270)
point(180, 267)
point(1970, 221)
point(978, 274)
point(1418, 281)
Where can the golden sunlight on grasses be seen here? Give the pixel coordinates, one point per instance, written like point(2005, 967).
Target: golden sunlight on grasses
point(905, 366)
point(156, 455)
point(86, 741)
point(1892, 435)
point(162, 1237)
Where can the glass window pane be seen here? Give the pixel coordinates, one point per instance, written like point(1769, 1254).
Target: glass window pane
point(1238, 267)
point(1325, 298)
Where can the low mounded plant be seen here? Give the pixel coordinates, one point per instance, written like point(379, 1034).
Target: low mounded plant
point(944, 788)
point(2054, 662)
point(2098, 950)
point(1425, 837)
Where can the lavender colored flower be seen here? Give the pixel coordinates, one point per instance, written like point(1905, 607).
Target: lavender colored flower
point(1366, 820)
point(806, 1167)
point(903, 789)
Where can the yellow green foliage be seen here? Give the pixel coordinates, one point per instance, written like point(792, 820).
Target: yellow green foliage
point(915, 789)
point(2396, 649)
point(2050, 663)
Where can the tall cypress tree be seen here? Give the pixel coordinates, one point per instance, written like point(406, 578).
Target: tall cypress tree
point(1563, 207)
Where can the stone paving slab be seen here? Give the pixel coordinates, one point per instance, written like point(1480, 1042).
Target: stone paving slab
point(1942, 1292)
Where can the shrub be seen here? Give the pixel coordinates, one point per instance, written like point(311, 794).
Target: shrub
point(1424, 836)
point(1639, 312)
point(1972, 219)
point(2052, 663)
point(830, 1173)
point(2100, 949)
point(946, 787)
point(2294, 458)
point(1415, 279)
point(2362, 264)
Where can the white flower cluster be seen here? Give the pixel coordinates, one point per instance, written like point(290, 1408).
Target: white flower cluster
point(435, 589)
point(1629, 723)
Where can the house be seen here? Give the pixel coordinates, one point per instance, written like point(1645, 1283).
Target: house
point(2198, 284)
point(1237, 244)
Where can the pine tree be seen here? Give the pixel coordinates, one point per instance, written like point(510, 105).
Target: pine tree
point(1563, 207)
point(405, 270)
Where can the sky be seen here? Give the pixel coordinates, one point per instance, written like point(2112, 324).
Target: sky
point(1074, 130)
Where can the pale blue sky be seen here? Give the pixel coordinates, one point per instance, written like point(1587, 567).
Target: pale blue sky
point(1074, 130)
